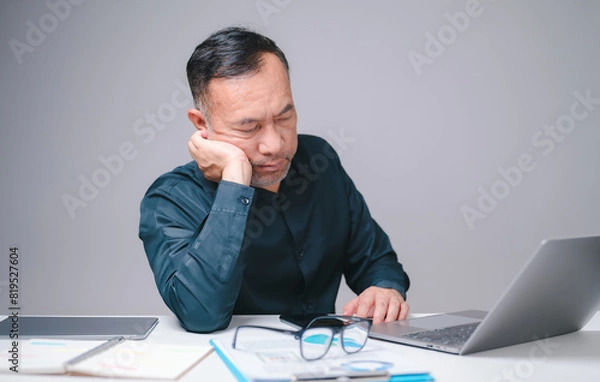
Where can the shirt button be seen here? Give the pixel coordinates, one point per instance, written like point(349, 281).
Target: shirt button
point(301, 254)
point(244, 200)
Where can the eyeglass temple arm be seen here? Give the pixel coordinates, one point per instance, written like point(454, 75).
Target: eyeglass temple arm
point(286, 331)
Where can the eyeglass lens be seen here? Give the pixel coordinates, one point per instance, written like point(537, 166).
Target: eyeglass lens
point(317, 340)
point(355, 336)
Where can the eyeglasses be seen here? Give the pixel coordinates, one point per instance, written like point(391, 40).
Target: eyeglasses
point(316, 337)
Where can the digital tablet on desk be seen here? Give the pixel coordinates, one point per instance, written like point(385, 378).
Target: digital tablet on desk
point(74, 327)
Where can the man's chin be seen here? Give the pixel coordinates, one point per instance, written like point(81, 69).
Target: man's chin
point(266, 180)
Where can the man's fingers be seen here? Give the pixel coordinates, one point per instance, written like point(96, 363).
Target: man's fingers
point(366, 302)
point(196, 140)
point(393, 310)
point(404, 310)
point(350, 307)
point(382, 304)
point(381, 309)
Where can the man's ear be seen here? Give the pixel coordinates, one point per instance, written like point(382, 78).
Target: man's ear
point(198, 120)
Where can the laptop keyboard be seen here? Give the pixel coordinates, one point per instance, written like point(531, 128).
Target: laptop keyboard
point(451, 336)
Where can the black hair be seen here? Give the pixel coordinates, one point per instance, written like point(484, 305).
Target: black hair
point(227, 53)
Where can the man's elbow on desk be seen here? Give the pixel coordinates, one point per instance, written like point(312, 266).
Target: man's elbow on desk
point(203, 322)
point(197, 317)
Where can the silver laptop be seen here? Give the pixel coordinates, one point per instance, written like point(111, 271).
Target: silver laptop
point(556, 292)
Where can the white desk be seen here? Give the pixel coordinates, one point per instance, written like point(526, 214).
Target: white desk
point(570, 357)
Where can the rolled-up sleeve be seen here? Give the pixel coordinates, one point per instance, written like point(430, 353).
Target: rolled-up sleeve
point(193, 242)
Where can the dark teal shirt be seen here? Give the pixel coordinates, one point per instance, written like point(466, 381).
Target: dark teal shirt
point(218, 249)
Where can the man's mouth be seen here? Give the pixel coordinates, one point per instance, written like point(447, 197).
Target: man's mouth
point(272, 166)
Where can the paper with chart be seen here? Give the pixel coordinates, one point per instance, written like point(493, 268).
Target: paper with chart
point(274, 356)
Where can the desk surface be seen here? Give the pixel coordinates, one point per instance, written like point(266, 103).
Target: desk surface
point(562, 358)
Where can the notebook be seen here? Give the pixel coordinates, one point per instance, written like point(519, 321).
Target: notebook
point(74, 327)
point(116, 358)
point(557, 292)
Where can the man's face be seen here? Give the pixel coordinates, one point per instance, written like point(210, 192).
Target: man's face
point(256, 113)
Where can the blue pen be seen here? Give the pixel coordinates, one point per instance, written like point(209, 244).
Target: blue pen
point(411, 378)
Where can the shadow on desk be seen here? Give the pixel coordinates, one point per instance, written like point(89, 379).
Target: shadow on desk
point(582, 345)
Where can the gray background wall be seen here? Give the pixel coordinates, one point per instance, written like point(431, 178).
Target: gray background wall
point(423, 140)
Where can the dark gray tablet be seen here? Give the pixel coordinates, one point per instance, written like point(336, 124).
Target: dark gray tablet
point(74, 327)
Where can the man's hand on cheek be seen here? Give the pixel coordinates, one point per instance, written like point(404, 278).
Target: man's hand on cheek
point(383, 304)
point(220, 160)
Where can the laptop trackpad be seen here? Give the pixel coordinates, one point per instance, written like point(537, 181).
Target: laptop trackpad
point(393, 329)
point(442, 321)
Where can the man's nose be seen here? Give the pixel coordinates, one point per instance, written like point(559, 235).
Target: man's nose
point(271, 141)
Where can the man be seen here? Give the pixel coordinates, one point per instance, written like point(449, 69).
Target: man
point(263, 221)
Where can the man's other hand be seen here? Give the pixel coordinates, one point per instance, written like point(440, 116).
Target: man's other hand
point(220, 160)
point(383, 304)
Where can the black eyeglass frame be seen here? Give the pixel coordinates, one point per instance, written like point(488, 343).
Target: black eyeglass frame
point(335, 329)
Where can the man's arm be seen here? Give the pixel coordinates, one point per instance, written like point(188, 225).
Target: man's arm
point(193, 242)
point(372, 269)
point(193, 249)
